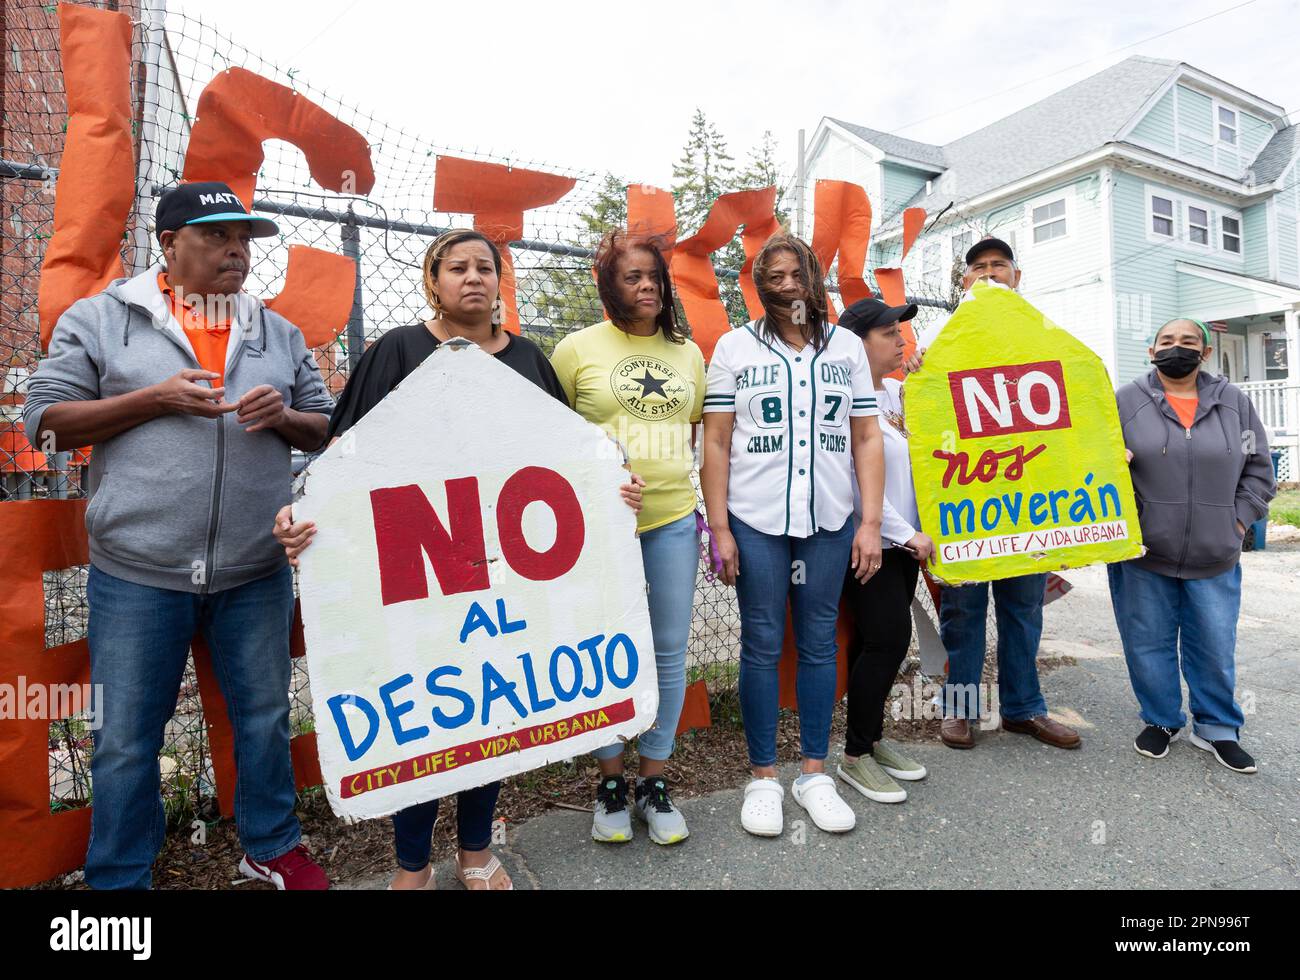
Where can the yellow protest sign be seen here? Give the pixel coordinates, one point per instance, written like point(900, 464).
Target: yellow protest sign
point(1016, 448)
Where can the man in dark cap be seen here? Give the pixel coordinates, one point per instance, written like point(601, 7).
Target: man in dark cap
point(191, 392)
point(1017, 604)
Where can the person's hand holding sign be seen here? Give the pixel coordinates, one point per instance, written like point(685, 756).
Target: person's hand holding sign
point(294, 538)
point(631, 493)
point(913, 363)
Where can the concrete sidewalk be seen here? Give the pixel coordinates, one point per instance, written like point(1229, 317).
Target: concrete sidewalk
point(1014, 813)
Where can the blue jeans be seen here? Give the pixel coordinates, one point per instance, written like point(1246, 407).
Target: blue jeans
point(413, 827)
point(963, 613)
point(809, 573)
point(671, 555)
point(139, 638)
point(1160, 617)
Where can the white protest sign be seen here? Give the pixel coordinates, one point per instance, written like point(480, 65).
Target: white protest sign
point(473, 602)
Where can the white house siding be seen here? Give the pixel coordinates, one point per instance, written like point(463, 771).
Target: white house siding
point(899, 185)
point(1255, 243)
point(1254, 133)
point(1287, 212)
point(1062, 277)
point(835, 158)
point(1156, 129)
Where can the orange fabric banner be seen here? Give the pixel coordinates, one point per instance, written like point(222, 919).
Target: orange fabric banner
point(913, 222)
point(96, 182)
point(890, 281)
point(238, 110)
point(842, 226)
point(789, 666)
point(651, 212)
point(695, 709)
point(692, 262)
point(36, 536)
point(497, 196)
point(318, 291)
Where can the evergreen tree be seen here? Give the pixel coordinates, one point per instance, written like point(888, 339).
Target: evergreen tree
point(562, 291)
point(704, 173)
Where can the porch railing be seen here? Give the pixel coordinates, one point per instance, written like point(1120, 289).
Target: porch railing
point(1278, 403)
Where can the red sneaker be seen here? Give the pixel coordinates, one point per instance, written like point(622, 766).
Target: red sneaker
point(293, 872)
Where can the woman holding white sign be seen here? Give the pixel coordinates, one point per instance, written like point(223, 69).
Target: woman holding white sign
point(789, 427)
point(1202, 474)
point(638, 377)
point(462, 270)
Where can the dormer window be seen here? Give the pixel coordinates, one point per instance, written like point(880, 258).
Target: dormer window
point(1227, 121)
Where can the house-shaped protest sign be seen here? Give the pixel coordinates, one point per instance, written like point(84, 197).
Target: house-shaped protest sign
point(1016, 448)
point(473, 601)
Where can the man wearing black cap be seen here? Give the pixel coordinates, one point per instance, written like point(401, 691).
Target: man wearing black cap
point(191, 393)
point(1017, 604)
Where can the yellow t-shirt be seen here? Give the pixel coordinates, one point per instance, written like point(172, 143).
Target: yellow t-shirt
point(645, 392)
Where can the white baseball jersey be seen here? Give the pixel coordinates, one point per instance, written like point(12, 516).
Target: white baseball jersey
point(791, 450)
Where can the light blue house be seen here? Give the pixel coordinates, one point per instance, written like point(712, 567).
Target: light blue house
point(1149, 190)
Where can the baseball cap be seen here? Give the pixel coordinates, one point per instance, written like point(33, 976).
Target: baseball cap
point(989, 245)
point(205, 202)
point(861, 316)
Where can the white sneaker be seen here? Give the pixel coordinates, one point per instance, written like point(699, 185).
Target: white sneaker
point(761, 814)
point(818, 796)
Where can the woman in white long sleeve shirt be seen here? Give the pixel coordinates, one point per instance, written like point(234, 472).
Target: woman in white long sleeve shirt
point(882, 604)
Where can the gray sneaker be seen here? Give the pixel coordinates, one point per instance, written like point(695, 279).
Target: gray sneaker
point(611, 823)
point(655, 806)
point(894, 762)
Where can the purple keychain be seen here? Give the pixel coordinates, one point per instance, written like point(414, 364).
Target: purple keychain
point(708, 552)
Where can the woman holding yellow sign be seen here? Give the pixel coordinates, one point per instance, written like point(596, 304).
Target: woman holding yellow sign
point(1201, 472)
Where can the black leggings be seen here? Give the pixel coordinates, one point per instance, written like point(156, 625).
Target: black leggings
point(883, 610)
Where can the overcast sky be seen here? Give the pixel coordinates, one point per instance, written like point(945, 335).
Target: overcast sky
point(599, 86)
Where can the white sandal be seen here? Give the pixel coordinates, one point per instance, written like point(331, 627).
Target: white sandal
point(429, 886)
point(761, 814)
point(483, 874)
point(823, 803)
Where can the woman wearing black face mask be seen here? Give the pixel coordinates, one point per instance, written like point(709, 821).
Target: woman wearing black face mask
point(1201, 471)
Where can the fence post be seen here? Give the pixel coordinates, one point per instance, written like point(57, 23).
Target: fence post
point(351, 234)
point(154, 15)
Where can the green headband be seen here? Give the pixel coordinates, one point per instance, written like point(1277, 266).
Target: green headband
point(1205, 331)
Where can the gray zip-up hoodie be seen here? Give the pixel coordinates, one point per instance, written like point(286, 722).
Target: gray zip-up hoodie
point(180, 502)
point(1194, 485)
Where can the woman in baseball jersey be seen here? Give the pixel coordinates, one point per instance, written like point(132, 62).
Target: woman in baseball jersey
point(462, 271)
point(789, 429)
point(638, 377)
point(883, 604)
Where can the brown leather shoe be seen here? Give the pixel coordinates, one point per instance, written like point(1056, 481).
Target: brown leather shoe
point(955, 733)
point(1046, 730)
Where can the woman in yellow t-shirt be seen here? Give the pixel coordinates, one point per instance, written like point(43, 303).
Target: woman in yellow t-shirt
point(637, 376)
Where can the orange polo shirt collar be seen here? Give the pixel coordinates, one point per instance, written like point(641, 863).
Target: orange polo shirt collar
point(209, 340)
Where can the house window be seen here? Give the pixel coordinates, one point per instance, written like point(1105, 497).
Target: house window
point(1227, 126)
point(1162, 216)
point(1231, 234)
point(1198, 226)
point(931, 260)
point(960, 244)
point(1049, 221)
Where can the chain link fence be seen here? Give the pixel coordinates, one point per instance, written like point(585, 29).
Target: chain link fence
point(386, 232)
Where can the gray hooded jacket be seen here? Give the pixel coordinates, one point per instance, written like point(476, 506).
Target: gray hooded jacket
point(1194, 485)
point(180, 502)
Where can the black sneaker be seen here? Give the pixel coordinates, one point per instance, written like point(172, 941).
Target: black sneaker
point(1154, 741)
point(611, 822)
point(1229, 753)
